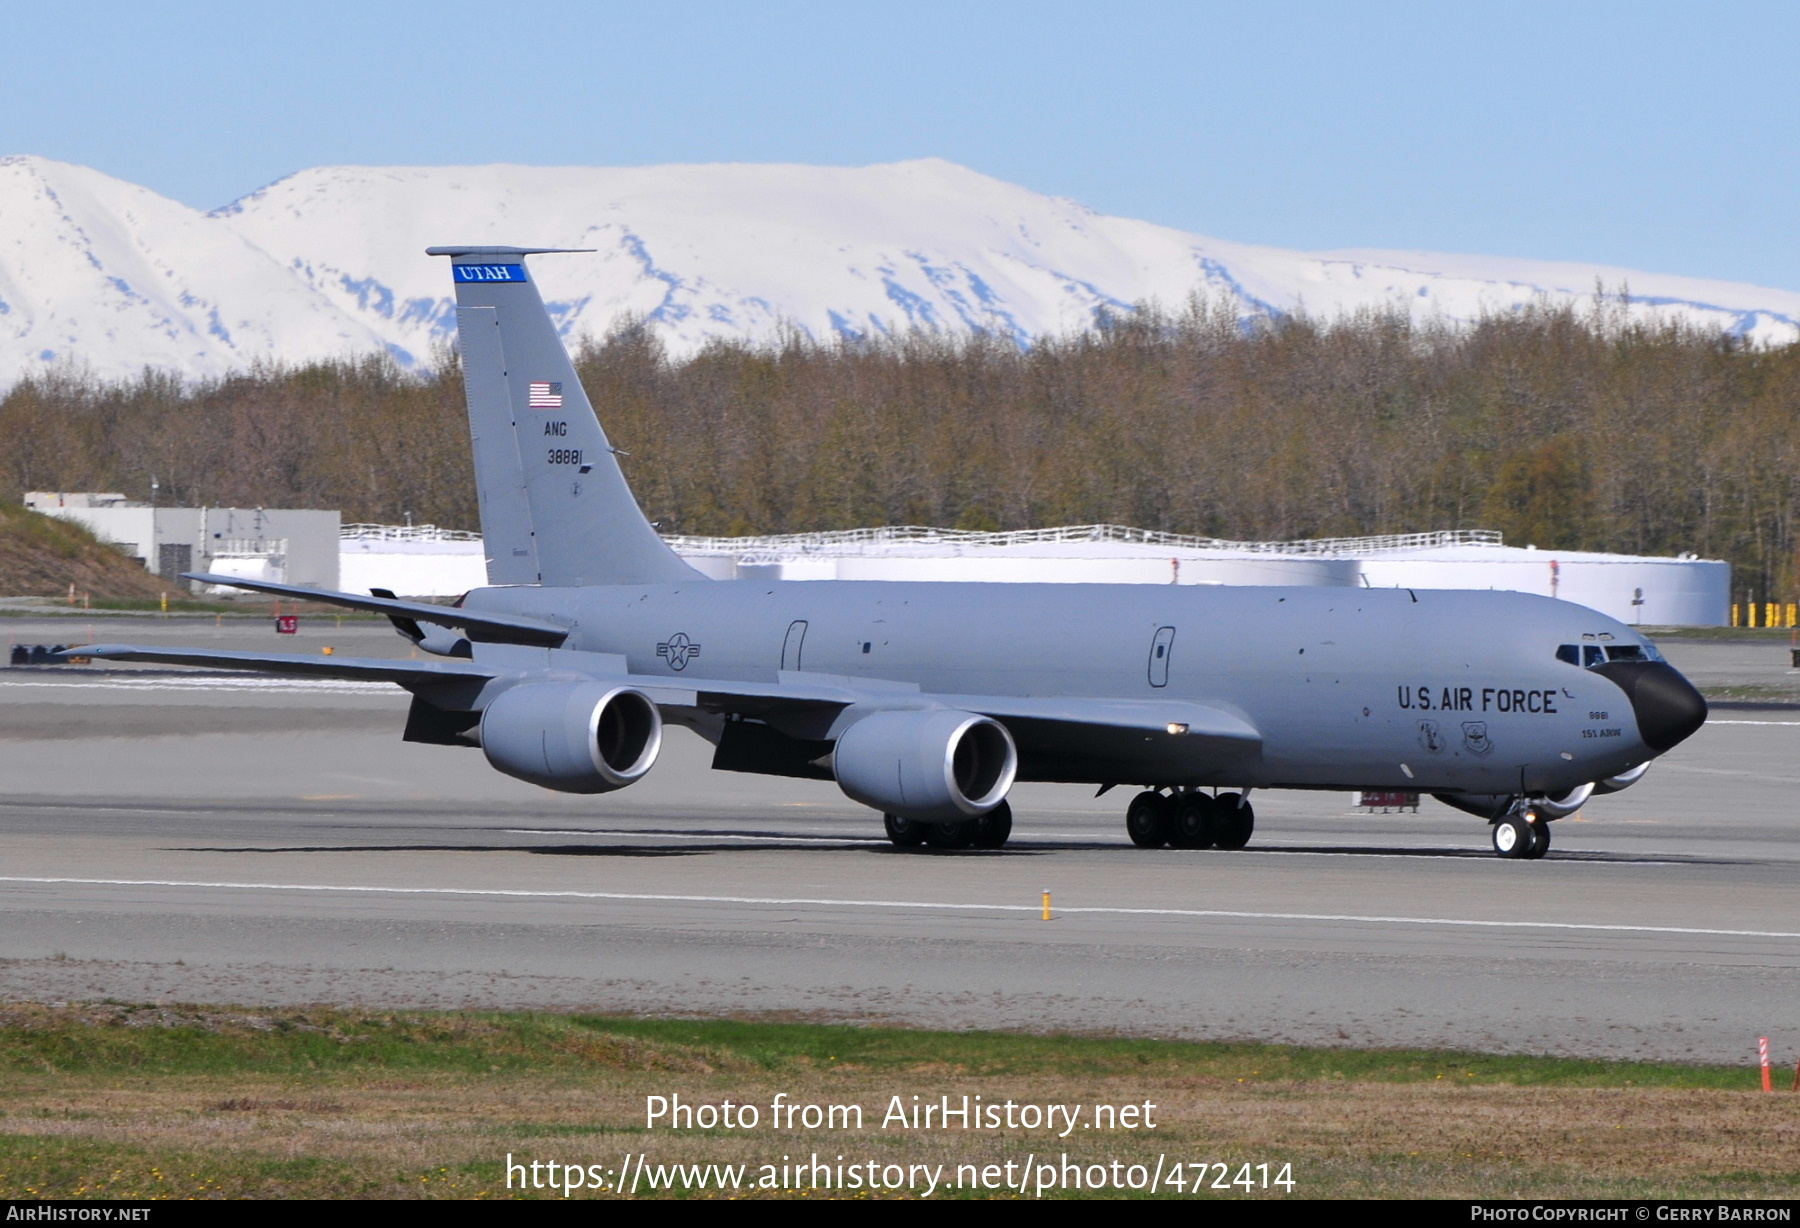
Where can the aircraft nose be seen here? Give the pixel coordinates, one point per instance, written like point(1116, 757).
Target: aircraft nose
point(1667, 707)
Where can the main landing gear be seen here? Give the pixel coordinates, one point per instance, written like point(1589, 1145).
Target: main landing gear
point(1190, 820)
point(988, 831)
point(1522, 836)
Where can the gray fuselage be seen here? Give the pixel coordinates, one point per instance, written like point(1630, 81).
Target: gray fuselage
point(1457, 691)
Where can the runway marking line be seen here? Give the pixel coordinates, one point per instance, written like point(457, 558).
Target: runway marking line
point(790, 902)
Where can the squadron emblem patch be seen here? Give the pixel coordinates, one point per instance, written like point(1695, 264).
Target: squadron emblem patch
point(1475, 738)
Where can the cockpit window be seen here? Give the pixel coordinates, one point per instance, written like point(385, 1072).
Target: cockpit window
point(1589, 655)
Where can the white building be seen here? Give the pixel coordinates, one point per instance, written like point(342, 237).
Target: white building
point(425, 561)
point(286, 545)
point(1638, 590)
point(1685, 591)
point(410, 560)
point(1077, 554)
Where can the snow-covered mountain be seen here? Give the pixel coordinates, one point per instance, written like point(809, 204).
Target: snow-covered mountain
point(110, 276)
point(331, 262)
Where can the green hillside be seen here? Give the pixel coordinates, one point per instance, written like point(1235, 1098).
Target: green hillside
point(41, 556)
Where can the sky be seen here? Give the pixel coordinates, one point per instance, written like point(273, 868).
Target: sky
point(1655, 136)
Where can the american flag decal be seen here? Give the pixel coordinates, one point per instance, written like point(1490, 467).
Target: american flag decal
point(545, 396)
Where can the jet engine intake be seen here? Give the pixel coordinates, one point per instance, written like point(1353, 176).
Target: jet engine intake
point(575, 737)
point(936, 766)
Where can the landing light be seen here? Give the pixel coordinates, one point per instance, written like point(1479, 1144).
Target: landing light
point(1176, 727)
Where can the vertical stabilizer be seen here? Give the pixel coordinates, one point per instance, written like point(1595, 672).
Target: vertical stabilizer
point(555, 508)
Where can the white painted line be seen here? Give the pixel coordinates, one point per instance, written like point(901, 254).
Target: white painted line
point(1711, 721)
point(791, 902)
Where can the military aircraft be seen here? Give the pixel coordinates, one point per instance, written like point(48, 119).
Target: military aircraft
point(928, 701)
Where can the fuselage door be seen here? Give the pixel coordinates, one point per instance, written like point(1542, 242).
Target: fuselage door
point(790, 647)
point(1160, 648)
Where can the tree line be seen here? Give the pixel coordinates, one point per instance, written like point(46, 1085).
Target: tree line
point(1564, 428)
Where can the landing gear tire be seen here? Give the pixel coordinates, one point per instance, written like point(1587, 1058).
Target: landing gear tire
point(957, 835)
point(1233, 821)
point(1513, 837)
point(1148, 819)
point(1540, 839)
point(1196, 822)
point(905, 833)
point(992, 828)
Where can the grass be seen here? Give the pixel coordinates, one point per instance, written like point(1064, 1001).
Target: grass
point(116, 1100)
point(1749, 635)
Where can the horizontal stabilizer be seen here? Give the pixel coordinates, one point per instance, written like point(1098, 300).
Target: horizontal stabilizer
point(499, 628)
point(476, 249)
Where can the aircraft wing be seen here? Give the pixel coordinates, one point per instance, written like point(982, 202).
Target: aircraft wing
point(1058, 737)
point(361, 669)
point(481, 625)
point(1074, 738)
point(1166, 716)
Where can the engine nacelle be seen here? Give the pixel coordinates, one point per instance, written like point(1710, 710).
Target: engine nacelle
point(930, 766)
point(575, 737)
point(1624, 780)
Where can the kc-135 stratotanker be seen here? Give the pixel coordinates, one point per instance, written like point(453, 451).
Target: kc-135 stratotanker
point(928, 701)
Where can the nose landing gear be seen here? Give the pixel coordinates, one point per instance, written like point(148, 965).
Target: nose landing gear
point(1522, 836)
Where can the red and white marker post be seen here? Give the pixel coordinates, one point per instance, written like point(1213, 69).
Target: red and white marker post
point(1762, 1051)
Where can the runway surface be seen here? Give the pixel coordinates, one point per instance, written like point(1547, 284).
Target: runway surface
point(166, 835)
